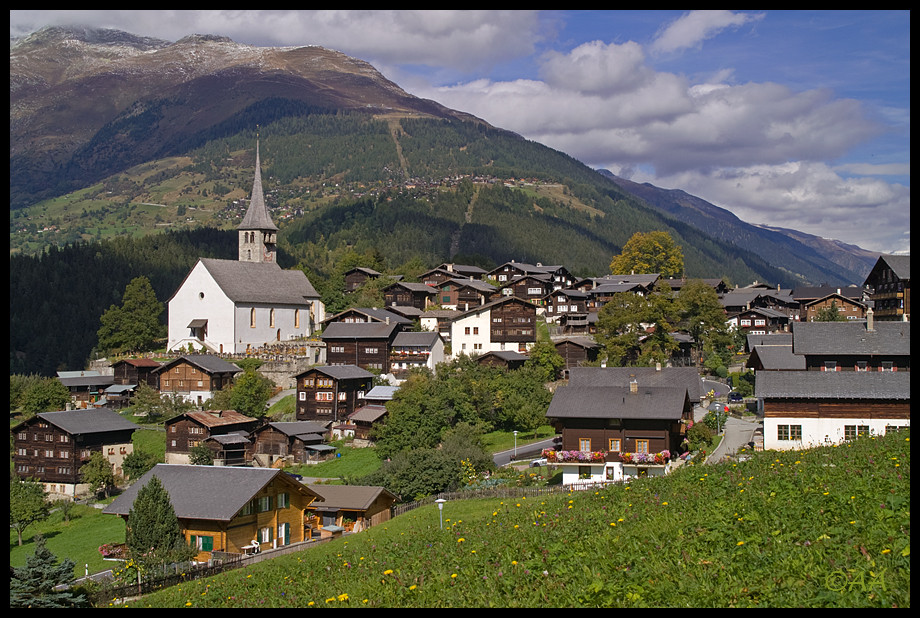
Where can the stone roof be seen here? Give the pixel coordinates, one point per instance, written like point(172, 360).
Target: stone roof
point(87, 421)
point(255, 282)
point(416, 339)
point(648, 402)
point(217, 418)
point(359, 330)
point(204, 492)
point(207, 362)
point(341, 372)
point(887, 385)
point(685, 377)
point(348, 497)
point(853, 338)
point(299, 429)
point(369, 413)
point(776, 357)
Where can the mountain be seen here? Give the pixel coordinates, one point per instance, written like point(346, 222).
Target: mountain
point(814, 258)
point(133, 134)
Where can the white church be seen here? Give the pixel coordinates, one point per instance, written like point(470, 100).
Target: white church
point(233, 306)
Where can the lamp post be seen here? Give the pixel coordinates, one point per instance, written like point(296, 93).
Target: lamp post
point(515, 444)
point(440, 502)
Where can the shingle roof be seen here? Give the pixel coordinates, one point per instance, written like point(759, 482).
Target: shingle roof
point(359, 330)
point(649, 402)
point(415, 339)
point(833, 385)
point(342, 372)
point(203, 492)
point(851, 338)
point(207, 362)
point(349, 497)
point(90, 420)
point(257, 217)
point(300, 428)
point(685, 377)
point(255, 282)
point(368, 413)
point(218, 418)
point(776, 357)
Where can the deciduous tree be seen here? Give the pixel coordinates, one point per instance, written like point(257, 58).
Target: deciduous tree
point(135, 325)
point(28, 505)
point(650, 252)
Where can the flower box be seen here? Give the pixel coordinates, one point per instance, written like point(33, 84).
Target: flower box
point(582, 457)
point(659, 458)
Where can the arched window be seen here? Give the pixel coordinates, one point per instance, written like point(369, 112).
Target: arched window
point(252, 318)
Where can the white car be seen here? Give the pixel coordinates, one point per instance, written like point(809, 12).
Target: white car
point(536, 463)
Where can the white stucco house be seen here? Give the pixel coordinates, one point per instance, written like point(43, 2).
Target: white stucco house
point(231, 306)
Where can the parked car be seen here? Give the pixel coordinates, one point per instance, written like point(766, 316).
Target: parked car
point(735, 397)
point(536, 463)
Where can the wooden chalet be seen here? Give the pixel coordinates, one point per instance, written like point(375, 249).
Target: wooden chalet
point(196, 428)
point(351, 507)
point(363, 420)
point(506, 359)
point(445, 272)
point(292, 443)
point(51, 447)
point(413, 350)
point(759, 321)
point(86, 387)
point(136, 371)
point(358, 276)
point(847, 308)
point(416, 295)
point(225, 511)
point(565, 303)
point(464, 293)
point(506, 324)
point(196, 377)
point(889, 282)
point(577, 351)
point(369, 314)
point(365, 345)
point(532, 288)
point(775, 358)
point(329, 394)
point(612, 432)
point(802, 409)
point(560, 276)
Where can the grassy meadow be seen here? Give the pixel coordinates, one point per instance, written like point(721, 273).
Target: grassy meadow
point(828, 527)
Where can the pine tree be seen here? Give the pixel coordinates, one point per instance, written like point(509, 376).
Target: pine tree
point(36, 585)
point(153, 534)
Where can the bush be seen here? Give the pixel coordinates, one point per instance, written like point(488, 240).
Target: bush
point(699, 435)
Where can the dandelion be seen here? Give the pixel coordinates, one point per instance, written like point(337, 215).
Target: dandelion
point(343, 597)
point(388, 572)
point(513, 562)
point(740, 543)
point(412, 587)
point(461, 539)
point(453, 575)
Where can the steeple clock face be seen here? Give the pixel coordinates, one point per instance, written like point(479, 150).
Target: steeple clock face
point(268, 255)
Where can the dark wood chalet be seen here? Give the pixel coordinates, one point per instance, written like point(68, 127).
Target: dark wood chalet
point(86, 387)
point(847, 308)
point(416, 295)
point(532, 288)
point(577, 351)
point(192, 429)
point(365, 345)
point(137, 371)
point(331, 393)
point(513, 321)
point(196, 376)
point(757, 321)
point(565, 302)
point(609, 433)
point(296, 442)
point(369, 314)
point(363, 420)
point(356, 277)
point(559, 275)
point(445, 272)
point(51, 447)
point(464, 293)
point(889, 282)
point(506, 359)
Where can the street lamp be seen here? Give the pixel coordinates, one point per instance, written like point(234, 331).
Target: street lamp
point(515, 444)
point(440, 502)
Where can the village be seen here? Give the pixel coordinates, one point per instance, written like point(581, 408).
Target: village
point(817, 381)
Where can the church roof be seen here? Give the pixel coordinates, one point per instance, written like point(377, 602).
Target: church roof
point(257, 217)
point(251, 282)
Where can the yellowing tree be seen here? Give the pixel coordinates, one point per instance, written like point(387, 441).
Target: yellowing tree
point(650, 252)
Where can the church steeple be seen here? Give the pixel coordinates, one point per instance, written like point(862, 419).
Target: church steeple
point(258, 234)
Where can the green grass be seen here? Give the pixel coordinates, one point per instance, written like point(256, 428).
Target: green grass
point(828, 527)
point(353, 463)
point(79, 539)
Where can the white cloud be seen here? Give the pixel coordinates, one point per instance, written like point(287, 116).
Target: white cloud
point(692, 29)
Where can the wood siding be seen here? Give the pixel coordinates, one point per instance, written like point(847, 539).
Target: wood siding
point(856, 409)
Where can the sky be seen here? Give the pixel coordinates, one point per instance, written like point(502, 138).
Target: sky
point(794, 119)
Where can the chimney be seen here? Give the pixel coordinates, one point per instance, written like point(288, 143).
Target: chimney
point(870, 319)
point(657, 366)
point(633, 385)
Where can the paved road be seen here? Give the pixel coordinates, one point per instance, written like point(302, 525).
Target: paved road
point(736, 435)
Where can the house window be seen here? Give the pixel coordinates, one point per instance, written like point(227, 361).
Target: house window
point(284, 500)
point(851, 431)
point(284, 533)
point(614, 445)
point(265, 504)
point(789, 432)
point(342, 396)
point(862, 366)
point(584, 444)
point(830, 365)
point(642, 446)
point(324, 396)
point(202, 543)
point(466, 330)
point(745, 322)
point(265, 534)
point(887, 366)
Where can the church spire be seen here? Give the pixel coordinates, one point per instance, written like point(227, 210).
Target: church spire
point(257, 233)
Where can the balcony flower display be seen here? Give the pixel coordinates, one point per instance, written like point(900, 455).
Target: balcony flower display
point(659, 458)
point(573, 456)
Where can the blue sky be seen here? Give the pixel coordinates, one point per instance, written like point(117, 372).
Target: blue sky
point(797, 119)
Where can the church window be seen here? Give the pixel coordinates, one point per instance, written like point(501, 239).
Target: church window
point(271, 317)
point(296, 318)
point(252, 318)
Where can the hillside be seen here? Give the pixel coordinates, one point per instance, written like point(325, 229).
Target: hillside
point(825, 527)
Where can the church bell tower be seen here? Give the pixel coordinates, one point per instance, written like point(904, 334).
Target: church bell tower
point(258, 235)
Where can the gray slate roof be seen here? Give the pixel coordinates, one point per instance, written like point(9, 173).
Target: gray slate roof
point(350, 497)
point(203, 492)
point(777, 357)
point(206, 362)
point(649, 402)
point(88, 421)
point(342, 372)
point(253, 282)
point(851, 338)
point(425, 339)
point(890, 385)
point(685, 377)
point(300, 429)
point(358, 330)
